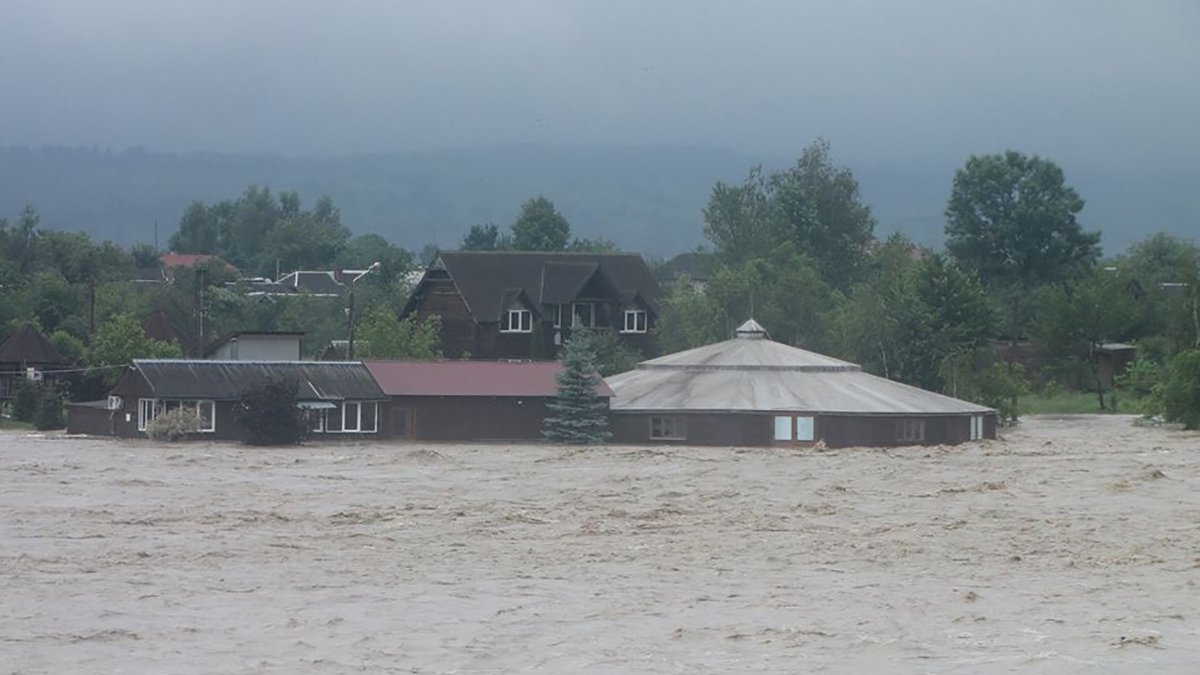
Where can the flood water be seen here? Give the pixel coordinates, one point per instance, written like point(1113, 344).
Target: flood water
point(1072, 545)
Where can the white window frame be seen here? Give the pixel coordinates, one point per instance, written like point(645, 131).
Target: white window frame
point(640, 321)
point(557, 314)
point(356, 418)
point(146, 412)
point(149, 408)
point(591, 323)
point(795, 428)
point(976, 427)
point(523, 321)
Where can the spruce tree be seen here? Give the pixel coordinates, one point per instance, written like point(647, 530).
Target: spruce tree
point(580, 415)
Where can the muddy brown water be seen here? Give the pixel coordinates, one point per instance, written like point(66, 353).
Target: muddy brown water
point(1071, 545)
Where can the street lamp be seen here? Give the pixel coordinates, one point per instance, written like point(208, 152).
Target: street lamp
point(350, 313)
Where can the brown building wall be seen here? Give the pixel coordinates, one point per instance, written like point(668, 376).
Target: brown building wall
point(465, 418)
point(458, 331)
point(757, 429)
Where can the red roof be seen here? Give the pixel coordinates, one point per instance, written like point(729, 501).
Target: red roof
point(470, 378)
point(171, 260)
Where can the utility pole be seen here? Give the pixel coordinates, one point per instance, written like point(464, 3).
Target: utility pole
point(350, 310)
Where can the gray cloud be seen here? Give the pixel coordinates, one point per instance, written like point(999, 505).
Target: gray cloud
point(1083, 82)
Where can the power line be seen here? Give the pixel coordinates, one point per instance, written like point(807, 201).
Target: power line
point(64, 370)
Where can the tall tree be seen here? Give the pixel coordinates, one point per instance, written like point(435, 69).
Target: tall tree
point(383, 335)
point(198, 231)
point(1012, 218)
point(579, 415)
point(540, 227)
point(814, 205)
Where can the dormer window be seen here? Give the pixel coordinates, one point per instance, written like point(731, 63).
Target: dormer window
point(635, 321)
point(517, 321)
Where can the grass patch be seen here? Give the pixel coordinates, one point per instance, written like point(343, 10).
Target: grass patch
point(1079, 402)
point(9, 423)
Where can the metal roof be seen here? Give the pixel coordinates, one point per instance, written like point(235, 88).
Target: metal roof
point(546, 277)
point(202, 379)
point(470, 378)
point(752, 373)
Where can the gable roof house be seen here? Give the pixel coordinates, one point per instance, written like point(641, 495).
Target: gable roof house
point(522, 305)
point(757, 392)
point(342, 399)
point(24, 355)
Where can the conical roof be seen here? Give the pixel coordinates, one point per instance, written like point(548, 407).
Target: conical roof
point(753, 373)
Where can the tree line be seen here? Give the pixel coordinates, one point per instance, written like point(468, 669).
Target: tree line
point(795, 248)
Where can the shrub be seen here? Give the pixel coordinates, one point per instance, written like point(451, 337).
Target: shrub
point(268, 415)
point(174, 425)
point(1181, 390)
point(25, 401)
point(49, 414)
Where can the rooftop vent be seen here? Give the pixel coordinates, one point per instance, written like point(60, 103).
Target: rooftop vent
point(751, 330)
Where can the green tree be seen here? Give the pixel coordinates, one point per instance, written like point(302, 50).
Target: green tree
point(1181, 391)
point(267, 414)
point(49, 413)
point(304, 241)
point(688, 317)
point(198, 232)
point(121, 340)
point(1081, 316)
point(540, 227)
point(1012, 218)
point(814, 204)
point(485, 238)
point(383, 335)
point(580, 416)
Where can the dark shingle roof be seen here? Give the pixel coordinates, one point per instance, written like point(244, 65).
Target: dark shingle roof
point(483, 276)
point(316, 282)
point(28, 345)
point(225, 380)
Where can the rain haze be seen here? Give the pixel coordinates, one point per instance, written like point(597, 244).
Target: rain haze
point(1106, 89)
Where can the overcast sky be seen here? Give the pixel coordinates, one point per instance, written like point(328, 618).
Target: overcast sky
point(884, 80)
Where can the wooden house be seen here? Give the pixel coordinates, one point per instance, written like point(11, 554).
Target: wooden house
point(342, 399)
point(26, 355)
point(756, 392)
point(522, 305)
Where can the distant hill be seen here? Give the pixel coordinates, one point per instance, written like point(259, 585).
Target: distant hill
point(646, 199)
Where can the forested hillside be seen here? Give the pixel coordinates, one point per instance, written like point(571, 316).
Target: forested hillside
point(646, 199)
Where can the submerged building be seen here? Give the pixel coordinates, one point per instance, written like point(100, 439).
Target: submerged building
point(753, 391)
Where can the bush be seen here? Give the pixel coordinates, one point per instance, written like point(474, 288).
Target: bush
point(25, 401)
point(49, 414)
point(1181, 390)
point(268, 415)
point(174, 425)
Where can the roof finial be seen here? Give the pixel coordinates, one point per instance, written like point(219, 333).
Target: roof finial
point(751, 330)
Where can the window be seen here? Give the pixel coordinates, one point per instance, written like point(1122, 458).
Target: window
point(557, 313)
point(208, 414)
point(351, 411)
point(149, 408)
point(910, 430)
point(976, 427)
point(635, 321)
point(367, 417)
point(783, 428)
point(517, 321)
point(145, 412)
point(583, 314)
point(668, 428)
point(795, 428)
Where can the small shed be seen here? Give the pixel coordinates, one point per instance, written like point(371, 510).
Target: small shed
point(26, 355)
point(753, 391)
point(342, 398)
point(1112, 360)
point(469, 400)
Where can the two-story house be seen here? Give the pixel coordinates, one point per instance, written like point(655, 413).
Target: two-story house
point(522, 305)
